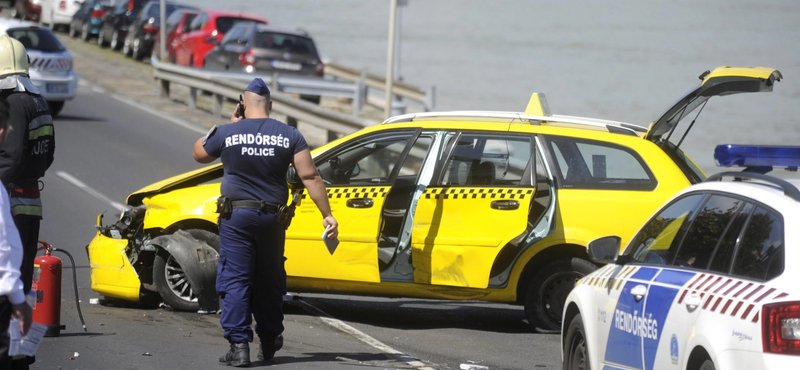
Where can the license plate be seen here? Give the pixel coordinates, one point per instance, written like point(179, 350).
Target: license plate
point(279, 64)
point(58, 88)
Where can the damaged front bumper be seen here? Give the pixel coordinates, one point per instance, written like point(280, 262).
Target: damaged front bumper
point(112, 273)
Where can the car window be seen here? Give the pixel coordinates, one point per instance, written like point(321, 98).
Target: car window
point(37, 39)
point(413, 162)
point(232, 36)
point(366, 161)
point(654, 241)
point(188, 22)
point(587, 164)
point(706, 231)
point(486, 160)
point(173, 20)
point(760, 254)
point(154, 10)
point(199, 22)
point(723, 256)
point(224, 24)
point(285, 42)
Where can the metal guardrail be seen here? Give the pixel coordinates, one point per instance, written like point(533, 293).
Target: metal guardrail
point(426, 98)
point(228, 85)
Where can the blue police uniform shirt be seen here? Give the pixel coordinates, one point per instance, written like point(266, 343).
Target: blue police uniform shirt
point(256, 153)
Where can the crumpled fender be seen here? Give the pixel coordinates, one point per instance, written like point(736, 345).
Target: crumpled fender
point(199, 262)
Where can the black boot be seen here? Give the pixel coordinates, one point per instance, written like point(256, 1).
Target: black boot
point(269, 353)
point(237, 356)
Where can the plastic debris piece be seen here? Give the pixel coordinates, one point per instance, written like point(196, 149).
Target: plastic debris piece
point(146, 354)
point(76, 354)
point(94, 301)
point(472, 367)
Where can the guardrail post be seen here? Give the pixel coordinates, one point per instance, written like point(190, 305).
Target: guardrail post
point(218, 105)
point(193, 97)
point(164, 88)
point(430, 99)
point(274, 83)
point(360, 94)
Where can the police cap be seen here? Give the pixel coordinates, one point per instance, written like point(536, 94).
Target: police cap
point(258, 86)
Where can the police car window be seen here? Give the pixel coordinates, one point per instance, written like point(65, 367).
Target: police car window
point(487, 160)
point(653, 243)
point(37, 39)
point(706, 231)
point(760, 254)
point(723, 256)
point(587, 164)
point(365, 161)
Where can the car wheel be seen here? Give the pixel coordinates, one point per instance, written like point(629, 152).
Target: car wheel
point(72, 31)
point(101, 38)
point(136, 53)
point(548, 290)
point(707, 365)
point(191, 60)
point(86, 32)
point(576, 357)
point(14, 13)
point(126, 47)
point(171, 282)
point(115, 41)
point(55, 107)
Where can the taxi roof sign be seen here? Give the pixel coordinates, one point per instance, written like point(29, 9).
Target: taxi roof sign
point(538, 106)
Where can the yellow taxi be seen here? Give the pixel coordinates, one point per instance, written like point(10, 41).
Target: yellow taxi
point(469, 205)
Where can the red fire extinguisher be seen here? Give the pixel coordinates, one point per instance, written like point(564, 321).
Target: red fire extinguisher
point(47, 285)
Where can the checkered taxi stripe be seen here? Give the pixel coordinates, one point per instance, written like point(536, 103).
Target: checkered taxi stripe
point(476, 193)
point(719, 294)
point(354, 192)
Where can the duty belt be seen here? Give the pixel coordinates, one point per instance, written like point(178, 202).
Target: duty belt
point(255, 204)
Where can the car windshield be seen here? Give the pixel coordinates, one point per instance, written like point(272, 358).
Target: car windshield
point(284, 42)
point(155, 10)
point(224, 24)
point(37, 39)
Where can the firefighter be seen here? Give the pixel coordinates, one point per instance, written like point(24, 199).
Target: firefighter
point(27, 151)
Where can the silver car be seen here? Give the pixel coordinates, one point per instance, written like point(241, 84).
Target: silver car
point(50, 63)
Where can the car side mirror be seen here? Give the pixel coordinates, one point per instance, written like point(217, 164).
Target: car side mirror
point(293, 179)
point(605, 249)
point(356, 171)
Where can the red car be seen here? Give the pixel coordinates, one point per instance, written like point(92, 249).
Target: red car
point(177, 25)
point(27, 9)
point(205, 32)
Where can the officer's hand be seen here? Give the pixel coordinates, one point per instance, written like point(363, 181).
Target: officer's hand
point(235, 117)
point(333, 232)
point(23, 312)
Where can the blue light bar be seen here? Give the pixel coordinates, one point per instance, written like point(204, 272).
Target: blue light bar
point(727, 155)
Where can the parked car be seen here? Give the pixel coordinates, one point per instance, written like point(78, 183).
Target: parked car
point(141, 34)
point(254, 47)
point(177, 24)
point(87, 20)
point(115, 23)
point(58, 13)
point(491, 206)
point(27, 9)
point(50, 63)
point(205, 32)
point(707, 283)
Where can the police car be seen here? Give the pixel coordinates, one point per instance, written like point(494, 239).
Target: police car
point(50, 63)
point(707, 283)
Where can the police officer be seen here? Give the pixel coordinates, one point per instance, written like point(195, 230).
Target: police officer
point(256, 152)
point(27, 151)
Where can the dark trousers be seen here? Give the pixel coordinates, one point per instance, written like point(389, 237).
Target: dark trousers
point(251, 279)
point(28, 227)
point(5, 315)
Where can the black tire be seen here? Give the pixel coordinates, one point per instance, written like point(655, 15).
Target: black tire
point(86, 32)
point(136, 51)
point(72, 31)
point(548, 290)
point(191, 61)
point(126, 47)
point(55, 107)
point(14, 13)
point(707, 365)
point(576, 355)
point(170, 280)
point(101, 38)
point(116, 43)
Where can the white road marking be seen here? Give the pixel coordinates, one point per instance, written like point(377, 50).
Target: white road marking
point(338, 324)
point(78, 183)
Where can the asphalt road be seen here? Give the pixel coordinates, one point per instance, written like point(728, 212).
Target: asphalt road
point(108, 147)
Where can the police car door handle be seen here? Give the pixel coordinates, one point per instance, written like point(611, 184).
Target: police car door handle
point(360, 203)
point(505, 204)
point(638, 292)
point(694, 300)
